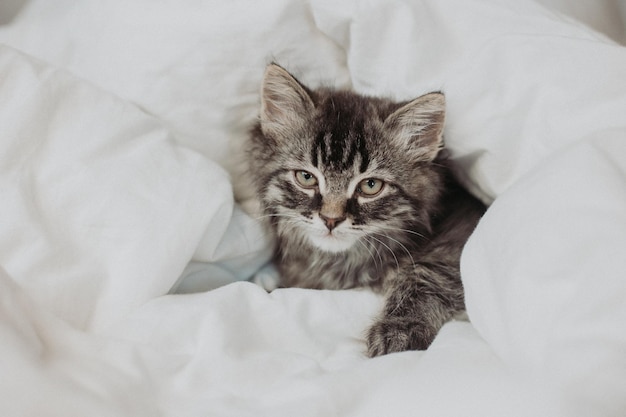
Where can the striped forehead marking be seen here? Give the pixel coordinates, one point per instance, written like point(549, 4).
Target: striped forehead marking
point(340, 150)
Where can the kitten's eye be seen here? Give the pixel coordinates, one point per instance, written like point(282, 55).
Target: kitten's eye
point(306, 179)
point(370, 187)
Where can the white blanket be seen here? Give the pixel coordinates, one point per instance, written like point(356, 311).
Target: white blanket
point(121, 133)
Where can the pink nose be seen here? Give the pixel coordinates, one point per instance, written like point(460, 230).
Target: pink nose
point(332, 222)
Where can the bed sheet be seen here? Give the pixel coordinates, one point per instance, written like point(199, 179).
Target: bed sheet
point(122, 179)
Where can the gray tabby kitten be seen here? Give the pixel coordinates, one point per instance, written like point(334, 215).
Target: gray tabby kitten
point(358, 193)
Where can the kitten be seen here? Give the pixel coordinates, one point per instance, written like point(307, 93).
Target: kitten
point(358, 193)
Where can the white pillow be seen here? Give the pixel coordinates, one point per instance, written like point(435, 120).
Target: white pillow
point(101, 210)
point(544, 275)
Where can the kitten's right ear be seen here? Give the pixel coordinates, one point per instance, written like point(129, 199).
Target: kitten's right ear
point(285, 104)
point(418, 126)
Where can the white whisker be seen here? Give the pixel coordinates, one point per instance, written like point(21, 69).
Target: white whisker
point(399, 229)
point(380, 258)
point(390, 250)
point(399, 244)
point(369, 251)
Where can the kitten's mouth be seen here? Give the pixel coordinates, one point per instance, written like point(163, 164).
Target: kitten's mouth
point(329, 241)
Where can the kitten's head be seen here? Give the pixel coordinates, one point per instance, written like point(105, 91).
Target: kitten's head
point(333, 168)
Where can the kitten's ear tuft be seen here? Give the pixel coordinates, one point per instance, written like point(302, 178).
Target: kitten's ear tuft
point(285, 103)
point(418, 126)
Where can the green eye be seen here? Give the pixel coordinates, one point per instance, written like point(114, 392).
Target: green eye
point(305, 179)
point(370, 187)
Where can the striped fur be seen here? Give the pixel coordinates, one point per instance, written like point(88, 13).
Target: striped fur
point(317, 156)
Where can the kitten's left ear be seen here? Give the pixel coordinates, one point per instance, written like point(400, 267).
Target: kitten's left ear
point(285, 104)
point(418, 126)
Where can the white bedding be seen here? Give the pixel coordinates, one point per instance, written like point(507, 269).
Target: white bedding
point(121, 180)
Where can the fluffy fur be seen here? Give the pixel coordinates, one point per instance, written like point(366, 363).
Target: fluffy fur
point(357, 192)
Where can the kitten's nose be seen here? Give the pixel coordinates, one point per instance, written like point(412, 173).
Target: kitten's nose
point(332, 222)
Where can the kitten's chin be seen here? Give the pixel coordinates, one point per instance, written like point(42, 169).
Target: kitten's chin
point(330, 243)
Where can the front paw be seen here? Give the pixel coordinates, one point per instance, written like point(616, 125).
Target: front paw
point(397, 334)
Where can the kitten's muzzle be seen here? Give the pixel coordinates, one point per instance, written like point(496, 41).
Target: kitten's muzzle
point(331, 222)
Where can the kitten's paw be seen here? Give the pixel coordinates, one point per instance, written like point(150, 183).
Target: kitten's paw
point(267, 278)
point(397, 334)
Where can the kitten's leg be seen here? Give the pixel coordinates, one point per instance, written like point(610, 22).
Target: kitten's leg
point(419, 301)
